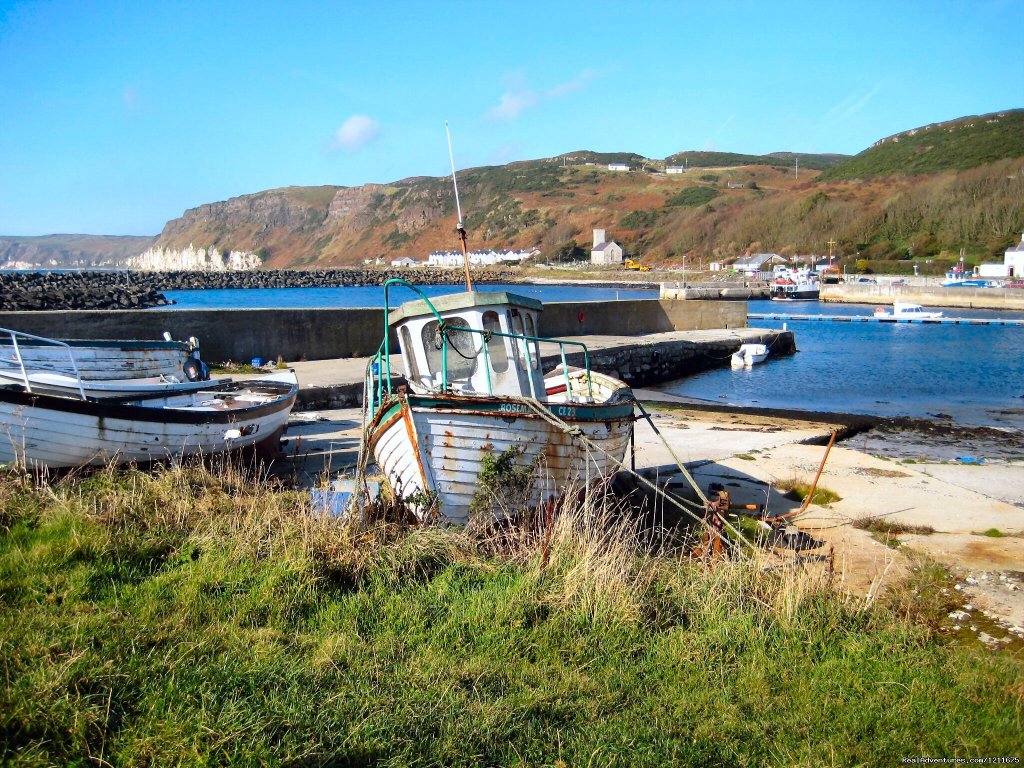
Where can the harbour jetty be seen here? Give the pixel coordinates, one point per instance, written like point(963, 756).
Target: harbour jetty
point(124, 289)
point(926, 295)
point(331, 333)
point(638, 361)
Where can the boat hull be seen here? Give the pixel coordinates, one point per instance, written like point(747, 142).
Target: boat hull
point(40, 430)
point(435, 446)
point(97, 360)
point(799, 294)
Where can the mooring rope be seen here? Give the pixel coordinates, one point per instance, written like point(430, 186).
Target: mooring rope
point(538, 408)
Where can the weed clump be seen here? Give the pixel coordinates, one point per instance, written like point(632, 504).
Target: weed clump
point(206, 615)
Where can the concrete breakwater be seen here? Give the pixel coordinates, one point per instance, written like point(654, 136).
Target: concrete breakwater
point(926, 295)
point(40, 291)
point(716, 290)
point(33, 291)
point(319, 334)
point(654, 359)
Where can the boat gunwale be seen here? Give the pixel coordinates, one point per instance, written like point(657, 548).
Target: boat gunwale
point(128, 408)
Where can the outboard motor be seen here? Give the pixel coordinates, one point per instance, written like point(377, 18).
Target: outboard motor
point(196, 370)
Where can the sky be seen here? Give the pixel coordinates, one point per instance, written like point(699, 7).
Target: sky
point(118, 116)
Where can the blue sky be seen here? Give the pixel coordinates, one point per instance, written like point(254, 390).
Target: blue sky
point(115, 117)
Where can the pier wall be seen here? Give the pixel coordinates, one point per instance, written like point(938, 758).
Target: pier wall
point(324, 333)
point(647, 364)
point(926, 295)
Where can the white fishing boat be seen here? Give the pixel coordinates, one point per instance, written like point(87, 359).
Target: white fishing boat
point(904, 310)
point(475, 390)
point(748, 355)
point(795, 285)
point(98, 359)
point(43, 430)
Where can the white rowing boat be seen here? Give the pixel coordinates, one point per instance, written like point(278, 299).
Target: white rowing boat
point(45, 430)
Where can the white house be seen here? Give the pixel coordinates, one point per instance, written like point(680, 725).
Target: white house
point(618, 167)
point(604, 251)
point(405, 261)
point(1014, 259)
point(675, 169)
point(445, 259)
point(1012, 266)
point(715, 266)
point(757, 262)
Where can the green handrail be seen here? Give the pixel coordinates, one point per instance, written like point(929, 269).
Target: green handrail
point(382, 385)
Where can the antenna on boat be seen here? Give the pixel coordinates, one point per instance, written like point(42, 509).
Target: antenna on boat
point(458, 207)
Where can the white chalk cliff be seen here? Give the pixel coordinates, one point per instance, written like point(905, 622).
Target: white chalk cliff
point(194, 259)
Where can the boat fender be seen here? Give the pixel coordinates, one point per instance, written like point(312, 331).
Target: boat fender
point(196, 370)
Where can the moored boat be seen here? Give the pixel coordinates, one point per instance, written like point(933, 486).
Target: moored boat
point(904, 310)
point(749, 355)
point(795, 285)
point(475, 390)
point(55, 431)
point(100, 359)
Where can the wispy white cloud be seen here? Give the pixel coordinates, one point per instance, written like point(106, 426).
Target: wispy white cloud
point(575, 84)
point(851, 105)
point(518, 97)
point(709, 143)
point(511, 104)
point(355, 133)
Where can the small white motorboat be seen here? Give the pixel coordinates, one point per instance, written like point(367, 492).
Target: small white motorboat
point(748, 355)
point(904, 310)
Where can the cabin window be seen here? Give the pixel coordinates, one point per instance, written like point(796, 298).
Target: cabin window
point(534, 351)
point(496, 344)
point(409, 353)
point(461, 349)
point(517, 329)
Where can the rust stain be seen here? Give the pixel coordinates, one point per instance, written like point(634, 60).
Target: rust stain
point(992, 550)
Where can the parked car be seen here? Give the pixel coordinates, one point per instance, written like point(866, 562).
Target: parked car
point(865, 280)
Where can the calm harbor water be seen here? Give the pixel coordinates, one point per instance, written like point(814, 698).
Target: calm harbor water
point(973, 374)
point(373, 295)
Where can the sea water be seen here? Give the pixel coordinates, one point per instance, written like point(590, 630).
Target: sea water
point(973, 374)
point(373, 295)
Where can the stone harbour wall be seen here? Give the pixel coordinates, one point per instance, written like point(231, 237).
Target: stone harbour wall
point(320, 334)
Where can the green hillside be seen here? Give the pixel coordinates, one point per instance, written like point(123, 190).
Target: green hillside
point(696, 159)
point(955, 145)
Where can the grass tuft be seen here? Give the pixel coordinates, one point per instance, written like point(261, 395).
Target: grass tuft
point(205, 616)
point(797, 490)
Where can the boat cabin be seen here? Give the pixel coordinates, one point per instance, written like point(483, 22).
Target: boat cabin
point(472, 342)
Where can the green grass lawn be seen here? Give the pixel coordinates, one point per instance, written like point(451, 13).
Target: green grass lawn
point(184, 618)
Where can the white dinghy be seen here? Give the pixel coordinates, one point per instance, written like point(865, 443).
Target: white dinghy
point(748, 355)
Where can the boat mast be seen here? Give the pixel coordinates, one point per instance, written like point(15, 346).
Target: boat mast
point(458, 207)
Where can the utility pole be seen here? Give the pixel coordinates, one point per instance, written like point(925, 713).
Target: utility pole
point(798, 168)
point(830, 243)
